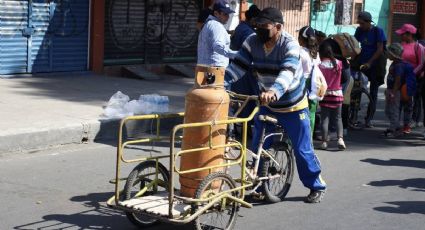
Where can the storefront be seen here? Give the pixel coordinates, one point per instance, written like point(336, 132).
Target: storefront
point(340, 16)
point(43, 36)
point(408, 11)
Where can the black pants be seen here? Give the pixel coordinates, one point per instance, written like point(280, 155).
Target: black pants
point(418, 102)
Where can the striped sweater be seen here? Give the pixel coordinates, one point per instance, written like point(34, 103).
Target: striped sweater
point(279, 70)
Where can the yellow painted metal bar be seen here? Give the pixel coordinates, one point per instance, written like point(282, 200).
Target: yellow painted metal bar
point(120, 145)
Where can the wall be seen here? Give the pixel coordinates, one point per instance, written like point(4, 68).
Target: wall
point(324, 21)
point(296, 12)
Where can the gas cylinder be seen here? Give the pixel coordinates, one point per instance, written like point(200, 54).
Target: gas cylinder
point(206, 101)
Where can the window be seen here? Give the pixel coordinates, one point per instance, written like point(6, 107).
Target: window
point(358, 6)
point(346, 11)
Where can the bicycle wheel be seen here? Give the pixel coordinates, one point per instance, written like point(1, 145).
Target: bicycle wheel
point(217, 217)
point(282, 173)
point(139, 177)
point(359, 105)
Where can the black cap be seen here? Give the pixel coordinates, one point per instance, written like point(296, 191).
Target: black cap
point(269, 15)
point(252, 12)
point(223, 6)
point(365, 16)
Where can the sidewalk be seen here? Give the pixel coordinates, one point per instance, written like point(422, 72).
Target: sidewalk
point(63, 108)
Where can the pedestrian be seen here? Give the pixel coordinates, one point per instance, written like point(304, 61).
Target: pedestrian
point(331, 105)
point(413, 53)
point(400, 75)
point(245, 28)
point(214, 41)
point(247, 85)
point(371, 59)
point(275, 56)
point(310, 61)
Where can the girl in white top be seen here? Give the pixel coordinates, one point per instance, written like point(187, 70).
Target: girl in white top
point(310, 60)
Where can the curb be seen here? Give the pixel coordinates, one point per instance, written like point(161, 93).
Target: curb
point(92, 131)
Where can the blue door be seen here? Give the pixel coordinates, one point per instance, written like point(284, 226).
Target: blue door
point(43, 35)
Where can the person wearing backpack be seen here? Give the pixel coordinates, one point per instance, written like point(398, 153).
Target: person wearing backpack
point(401, 82)
point(413, 53)
point(371, 60)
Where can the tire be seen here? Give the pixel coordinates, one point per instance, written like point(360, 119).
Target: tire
point(277, 192)
point(132, 186)
point(231, 210)
point(359, 97)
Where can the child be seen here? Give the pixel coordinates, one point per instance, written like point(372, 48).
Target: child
point(309, 60)
point(399, 81)
point(331, 105)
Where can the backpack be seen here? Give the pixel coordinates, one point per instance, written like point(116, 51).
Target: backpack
point(348, 44)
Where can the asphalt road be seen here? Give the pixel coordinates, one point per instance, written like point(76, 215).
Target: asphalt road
point(376, 184)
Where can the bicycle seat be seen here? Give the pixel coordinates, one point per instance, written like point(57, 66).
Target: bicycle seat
point(268, 119)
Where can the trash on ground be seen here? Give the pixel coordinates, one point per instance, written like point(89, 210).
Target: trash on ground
point(120, 106)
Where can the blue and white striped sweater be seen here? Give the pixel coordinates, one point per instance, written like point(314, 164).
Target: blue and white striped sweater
point(280, 70)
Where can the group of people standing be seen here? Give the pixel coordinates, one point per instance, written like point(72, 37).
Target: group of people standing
point(294, 76)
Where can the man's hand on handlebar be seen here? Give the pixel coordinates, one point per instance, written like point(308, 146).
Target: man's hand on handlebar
point(268, 97)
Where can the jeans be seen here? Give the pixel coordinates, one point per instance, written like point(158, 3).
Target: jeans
point(406, 107)
point(392, 111)
point(332, 115)
point(418, 101)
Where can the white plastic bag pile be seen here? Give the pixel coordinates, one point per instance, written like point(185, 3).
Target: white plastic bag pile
point(120, 106)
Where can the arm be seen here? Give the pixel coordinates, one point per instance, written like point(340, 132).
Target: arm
point(240, 64)
point(288, 67)
point(220, 42)
point(420, 52)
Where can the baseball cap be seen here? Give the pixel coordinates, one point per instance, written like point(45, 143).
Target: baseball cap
point(223, 6)
point(406, 28)
point(269, 15)
point(365, 16)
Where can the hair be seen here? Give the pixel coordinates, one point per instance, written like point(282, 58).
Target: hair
point(325, 51)
point(310, 43)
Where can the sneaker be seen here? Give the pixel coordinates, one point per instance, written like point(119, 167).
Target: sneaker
point(315, 196)
point(407, 129)
point(391, 133)
point(341, 144)
point(324, 145)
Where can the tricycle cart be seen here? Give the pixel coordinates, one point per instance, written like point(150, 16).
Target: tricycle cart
point(149, 194)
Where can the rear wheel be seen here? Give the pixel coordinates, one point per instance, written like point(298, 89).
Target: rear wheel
point(138, 179)
point(280, 172)
point(222, 215)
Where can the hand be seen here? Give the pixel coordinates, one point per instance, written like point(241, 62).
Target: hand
point(365, 66)
point(268, 97)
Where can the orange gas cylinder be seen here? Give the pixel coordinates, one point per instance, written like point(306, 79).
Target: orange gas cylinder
point(206, 101)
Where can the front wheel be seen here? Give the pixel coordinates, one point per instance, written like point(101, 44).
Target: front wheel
point(221, 215)
point(280, 172)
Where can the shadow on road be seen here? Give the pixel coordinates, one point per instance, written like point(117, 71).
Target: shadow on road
point(397, 162)
point(98, 216)
point(417, 184)
point(404, 207)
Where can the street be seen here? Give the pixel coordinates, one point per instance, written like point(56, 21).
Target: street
point(376, 184)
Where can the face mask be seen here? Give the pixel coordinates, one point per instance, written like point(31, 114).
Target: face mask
point(263, 34)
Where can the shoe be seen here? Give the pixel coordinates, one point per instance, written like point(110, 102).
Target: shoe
point(341, 144)
point(324, 145)
point(407, 129)
point(423, 134)
point(368, 124)
point(315, 196)
point(391, 133)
